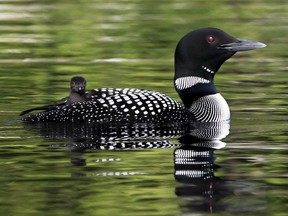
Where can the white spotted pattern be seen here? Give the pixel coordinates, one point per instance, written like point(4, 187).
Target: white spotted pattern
point(119, 105)
point(189, 81)
point(135, 105)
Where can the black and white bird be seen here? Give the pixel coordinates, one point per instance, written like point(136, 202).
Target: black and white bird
point(77, 94)
point(198, 57)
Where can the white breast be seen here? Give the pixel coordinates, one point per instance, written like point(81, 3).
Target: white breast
point(211, 108)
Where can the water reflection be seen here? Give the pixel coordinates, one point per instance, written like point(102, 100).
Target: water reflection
point(200, 187)
point(203, 191)
point(200, 184)
point(194, 159)
point(102, 134)
point(194, 169)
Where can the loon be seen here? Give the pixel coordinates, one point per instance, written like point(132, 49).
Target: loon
point(77, 94)
point(198, 57)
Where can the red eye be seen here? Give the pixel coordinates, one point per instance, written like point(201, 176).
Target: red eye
point(210, 39)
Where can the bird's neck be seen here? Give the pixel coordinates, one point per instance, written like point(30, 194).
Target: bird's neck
point(193, 82)
point(200, 96)
point(76, 97)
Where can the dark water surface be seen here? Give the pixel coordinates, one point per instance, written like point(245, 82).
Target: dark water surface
point(50, 171)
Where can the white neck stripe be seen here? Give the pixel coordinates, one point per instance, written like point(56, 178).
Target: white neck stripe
point(189, 81)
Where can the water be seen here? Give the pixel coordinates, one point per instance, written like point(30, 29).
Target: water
point(48, 171)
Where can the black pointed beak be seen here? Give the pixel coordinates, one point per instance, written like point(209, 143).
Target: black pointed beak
point(242, 45)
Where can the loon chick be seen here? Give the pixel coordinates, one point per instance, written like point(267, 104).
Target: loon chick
point(77, 94)
point(198, 56)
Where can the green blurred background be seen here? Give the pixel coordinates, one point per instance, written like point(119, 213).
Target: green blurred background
point(125, 43)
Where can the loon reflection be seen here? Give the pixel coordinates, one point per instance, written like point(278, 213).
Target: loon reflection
point(194, 160)
point(194, 168)
point(109, 136)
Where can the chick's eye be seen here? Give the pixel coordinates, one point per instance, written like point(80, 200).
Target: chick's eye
point(210, 39)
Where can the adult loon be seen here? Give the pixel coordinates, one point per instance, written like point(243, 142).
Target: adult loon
point(77, 94)
point(198, 56)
